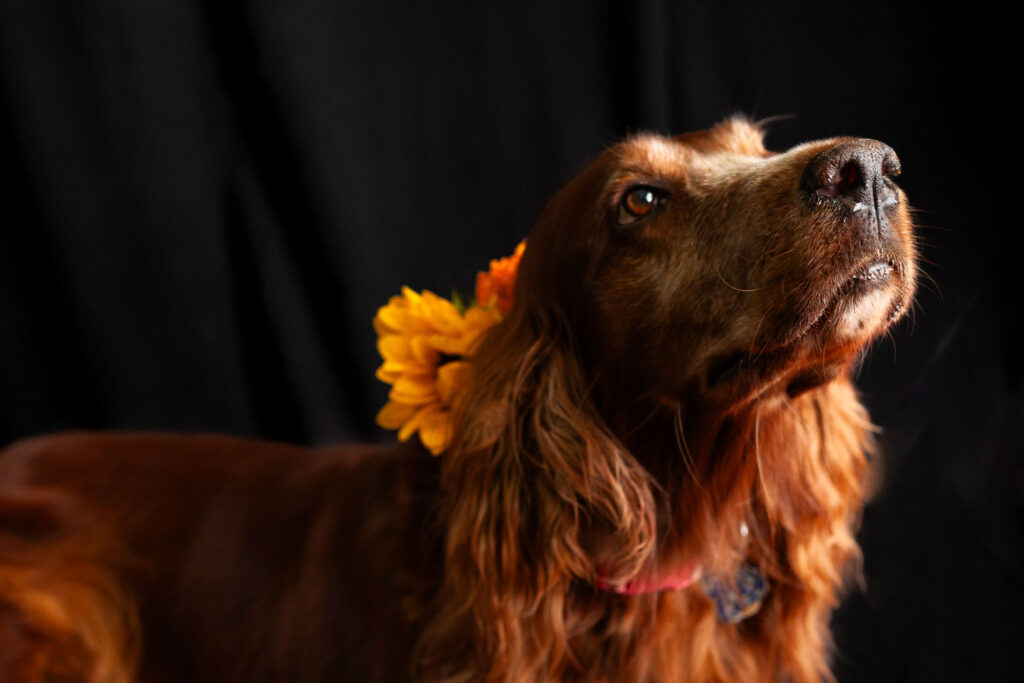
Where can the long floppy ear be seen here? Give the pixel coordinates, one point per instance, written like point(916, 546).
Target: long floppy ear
point(532, 471)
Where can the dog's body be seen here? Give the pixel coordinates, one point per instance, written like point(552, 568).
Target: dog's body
point(668, 397)
point(224, 559)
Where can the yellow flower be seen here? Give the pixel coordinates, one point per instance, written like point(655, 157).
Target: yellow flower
point(425, 342)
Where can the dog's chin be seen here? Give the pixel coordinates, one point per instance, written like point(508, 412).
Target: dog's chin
point(855, 307)
point(862, 306)
point(816, 349)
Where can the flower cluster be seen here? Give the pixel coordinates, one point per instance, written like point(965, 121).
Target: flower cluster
point(495, 287)
point(426, 342)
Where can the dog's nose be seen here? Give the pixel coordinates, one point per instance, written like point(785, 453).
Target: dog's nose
point(857, 173)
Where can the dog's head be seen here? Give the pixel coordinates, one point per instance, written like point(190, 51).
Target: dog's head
point(645, 407)
point(706, 268)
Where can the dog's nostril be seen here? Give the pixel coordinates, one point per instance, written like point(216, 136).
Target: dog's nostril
point(850, 169)
point(841, 183)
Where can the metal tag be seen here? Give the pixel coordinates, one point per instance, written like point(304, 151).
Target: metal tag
point(737, 599)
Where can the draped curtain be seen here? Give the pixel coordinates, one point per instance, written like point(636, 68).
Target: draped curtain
point(205, 202)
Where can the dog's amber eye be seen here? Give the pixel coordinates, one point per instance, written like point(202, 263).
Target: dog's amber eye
point(638, 203)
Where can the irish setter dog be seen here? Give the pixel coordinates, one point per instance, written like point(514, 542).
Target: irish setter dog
point(665, 414)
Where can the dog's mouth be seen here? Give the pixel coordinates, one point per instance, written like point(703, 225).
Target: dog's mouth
point(876, 272)
point(871, 277)
point(859, 305)
point(863, 299)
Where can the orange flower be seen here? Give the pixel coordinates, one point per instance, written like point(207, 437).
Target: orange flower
point(495, 287)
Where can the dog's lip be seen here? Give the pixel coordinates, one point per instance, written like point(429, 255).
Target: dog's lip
point(865, 275)
point(868, 274)
point(876, 271)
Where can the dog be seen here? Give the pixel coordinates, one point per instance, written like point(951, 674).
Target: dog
point(655, 472)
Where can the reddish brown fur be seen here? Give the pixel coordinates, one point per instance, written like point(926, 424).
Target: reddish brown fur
point(599, 431)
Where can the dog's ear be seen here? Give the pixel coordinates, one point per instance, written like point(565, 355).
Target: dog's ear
point(532, 469)
point(810, 459)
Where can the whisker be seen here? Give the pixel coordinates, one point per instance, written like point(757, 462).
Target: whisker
point(757, 454)
point(753, 337)
point(684, 449)
point(731, 286)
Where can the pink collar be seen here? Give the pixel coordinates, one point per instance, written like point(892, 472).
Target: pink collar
point(676, 580)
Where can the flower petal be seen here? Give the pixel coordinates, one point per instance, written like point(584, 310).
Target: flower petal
point(379, 326)
point(436, 431)
point(393, 415)
point(414, 390)
point(395, 347)
point(451, 377)
point(445, 316)
point(478, 318)
point(387, 376)
point(410, 427)
point(390, 372)
point(422, 351)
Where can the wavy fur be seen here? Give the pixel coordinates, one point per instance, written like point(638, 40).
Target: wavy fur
point(669, 390)
point(536, 473)
point(564, 465)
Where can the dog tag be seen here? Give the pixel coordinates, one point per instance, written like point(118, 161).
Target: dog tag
point(737, 599)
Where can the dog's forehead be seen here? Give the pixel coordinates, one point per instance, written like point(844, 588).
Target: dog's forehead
point(648, 157)
point(733, 140)
point(651, 150)
point(737, 135)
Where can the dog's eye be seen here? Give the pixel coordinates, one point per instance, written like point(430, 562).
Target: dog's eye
point(640, 202)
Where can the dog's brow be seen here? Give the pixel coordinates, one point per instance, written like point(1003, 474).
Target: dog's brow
point(661, 152)
point(648, 158)
point(653, 151)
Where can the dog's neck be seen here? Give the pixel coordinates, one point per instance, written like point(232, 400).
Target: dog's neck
point(709, 468)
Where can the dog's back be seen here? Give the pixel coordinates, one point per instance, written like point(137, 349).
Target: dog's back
point(206, 558)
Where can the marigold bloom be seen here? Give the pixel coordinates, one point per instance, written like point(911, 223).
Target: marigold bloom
point(495, 287)
point(417, 333)
point(426, 344)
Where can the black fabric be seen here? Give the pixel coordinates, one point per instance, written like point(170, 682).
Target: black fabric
point(207, 201)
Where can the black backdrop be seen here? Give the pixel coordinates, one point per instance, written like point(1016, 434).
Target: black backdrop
point(205, 202)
